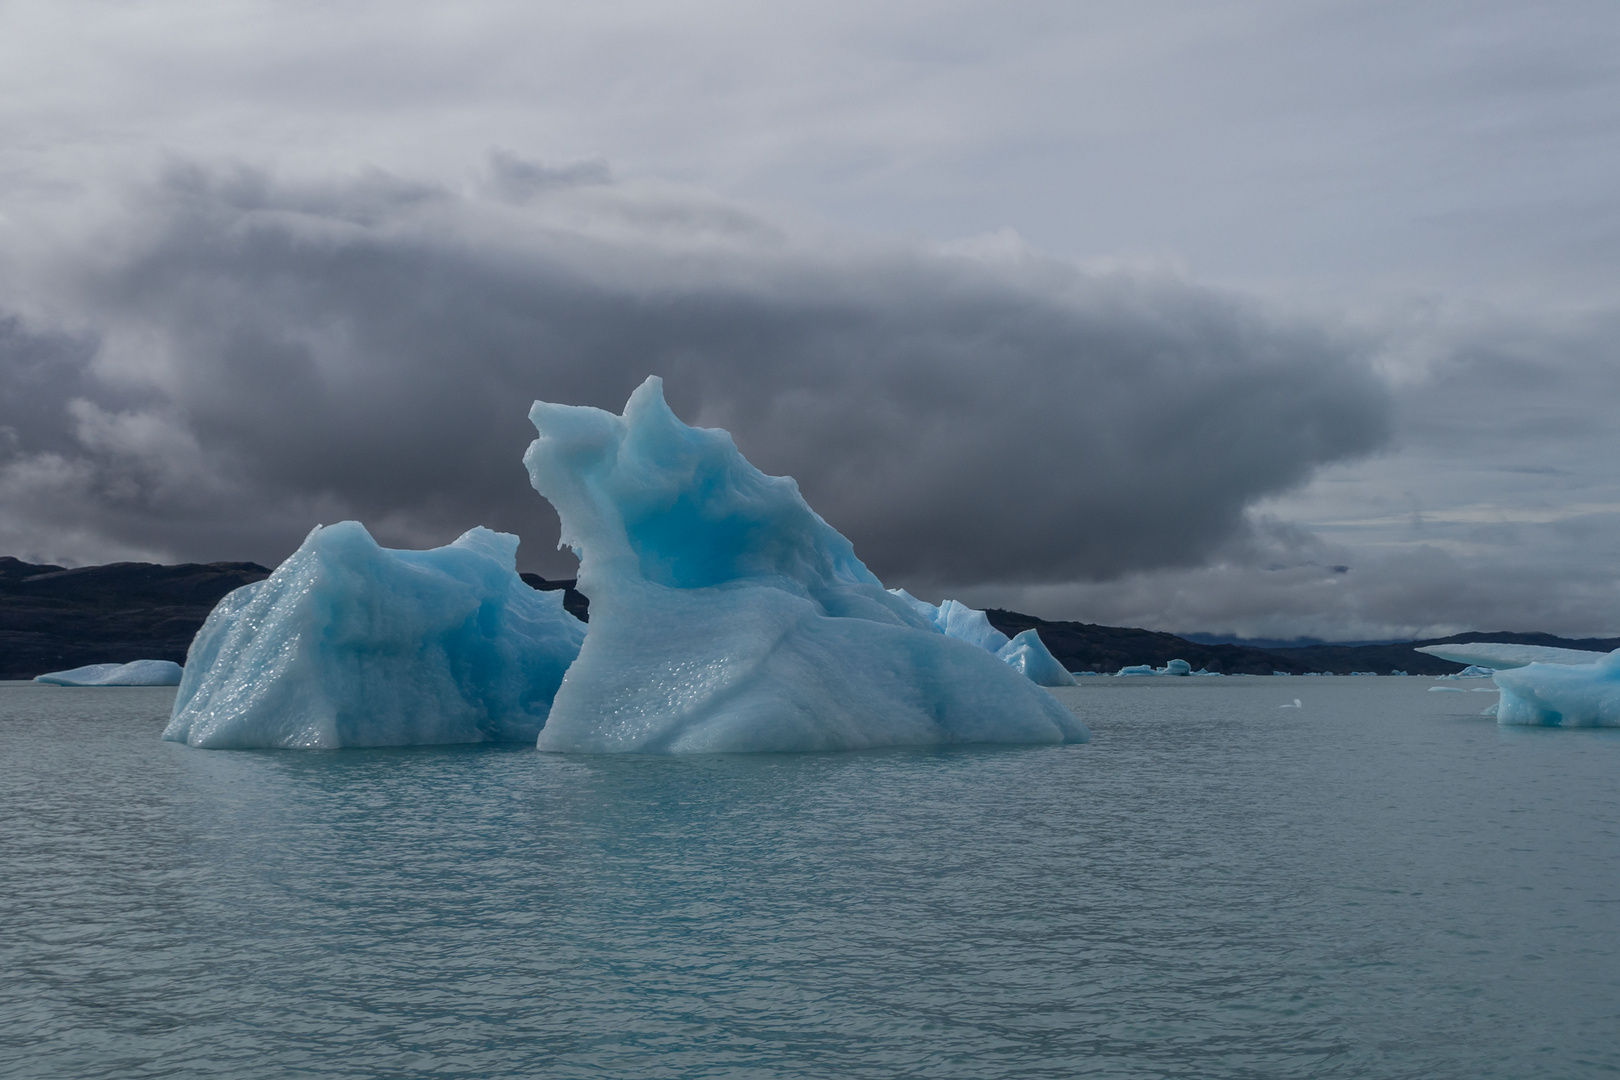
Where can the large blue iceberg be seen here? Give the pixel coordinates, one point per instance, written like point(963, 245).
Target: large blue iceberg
point(1026, 652)
point(727, 616)
point(352, 644)
point(1561, 695)
point(1543, 686)
point(134, 673)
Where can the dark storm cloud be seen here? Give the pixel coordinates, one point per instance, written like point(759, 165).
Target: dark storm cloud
point(276, 354)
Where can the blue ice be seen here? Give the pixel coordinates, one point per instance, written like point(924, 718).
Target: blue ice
point(351, 644)
point(1026, 652)
point(134, 673)
point(726, 615)
point(1561, 695)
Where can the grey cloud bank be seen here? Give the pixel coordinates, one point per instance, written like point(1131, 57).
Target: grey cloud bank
point(767, 204)
point(253, 353)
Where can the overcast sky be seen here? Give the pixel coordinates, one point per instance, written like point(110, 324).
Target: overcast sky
point(1269, 318)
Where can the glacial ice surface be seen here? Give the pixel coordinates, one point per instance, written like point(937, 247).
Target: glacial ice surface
point(726, 615)
point(1026, 653)
point(134, 673)
point(352, 644)
point(1501, 656)
point(1561, 695)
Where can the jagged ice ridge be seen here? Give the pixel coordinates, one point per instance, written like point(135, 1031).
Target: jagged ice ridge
point(351, 644)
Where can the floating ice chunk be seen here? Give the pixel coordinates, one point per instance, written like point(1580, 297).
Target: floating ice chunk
point(352, 644)
point(727, 616)
point(1174, 667)
point(1028, 653)
point(1561, 695)
point(1447, 690)
point(1291, 705)
point(1500, 656)
point(134, 673)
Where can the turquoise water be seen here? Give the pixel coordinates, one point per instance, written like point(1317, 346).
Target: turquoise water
point(1379, 883)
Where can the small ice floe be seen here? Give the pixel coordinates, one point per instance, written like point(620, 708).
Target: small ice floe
point(1291, 705)
point(1490, 710)
point(1447, 690)
point(134, 673)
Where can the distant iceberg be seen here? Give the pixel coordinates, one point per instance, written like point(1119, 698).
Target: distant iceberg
point(134, 673)
point(1026, 652)
point(726, 615)
point(1174, 667)
point(1561, 694)
point(352, 644)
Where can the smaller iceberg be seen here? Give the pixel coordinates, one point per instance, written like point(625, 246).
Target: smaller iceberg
point(1026, 652)
point(352, 644)
point(134, 673)
point(1561, 694)
point(1500, 656)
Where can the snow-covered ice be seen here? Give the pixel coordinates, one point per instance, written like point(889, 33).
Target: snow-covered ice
point(726, 615)
point(352, 644)
point(1562, 695)
point(134, 673)
point(1026, 652)
point(1501, 656)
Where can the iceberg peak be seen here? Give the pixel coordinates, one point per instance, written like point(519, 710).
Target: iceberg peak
point(727, 615)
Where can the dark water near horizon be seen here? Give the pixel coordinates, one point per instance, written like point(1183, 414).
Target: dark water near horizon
point(1378, 884)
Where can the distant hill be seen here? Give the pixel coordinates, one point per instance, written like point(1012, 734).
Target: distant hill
point(52, 618)
point(1089, 647)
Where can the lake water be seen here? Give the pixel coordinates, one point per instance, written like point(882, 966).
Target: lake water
point(1379, 883)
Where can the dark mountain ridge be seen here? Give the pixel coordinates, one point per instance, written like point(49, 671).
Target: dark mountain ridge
point(53, 618)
